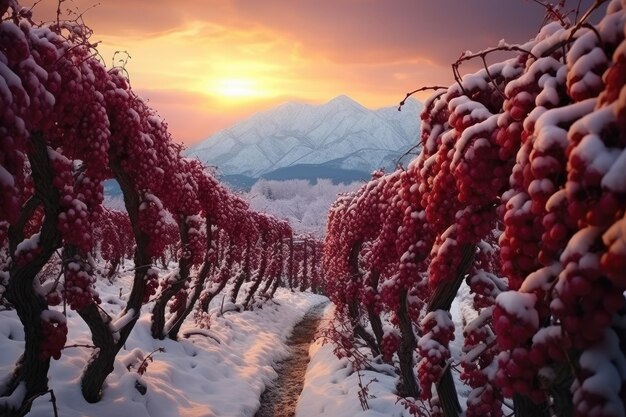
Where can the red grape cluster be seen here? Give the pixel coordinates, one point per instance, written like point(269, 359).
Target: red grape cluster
point(479, 351)
point(152, 283)
point(446, 257)
point(27, 250)
point(153, 222)
point(182, 187)
point(549, 345)
point(113, 231)
point(78, 288)
point(485, 286)
point(74, 221)
point(197, 239)
point(541, 86)
point(586, 299)
point(484, 401)
point(25, 103)
point(516, 374)
point(515, 318)
point(179, 301)
point(413, 251)
point(438, 331)
point(390, 343)
point(598, 390)
point(53, 333)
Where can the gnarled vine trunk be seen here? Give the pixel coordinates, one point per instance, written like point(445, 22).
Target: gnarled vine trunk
point(408, 384)
point(353, 308)
point(442, 300)
point(100, 364)
point(374, 318)
point(184, 264)
point(30, 370)
point(304, 281)
point(182, 314)
point(290, 268)
point(269, 283)
point(259, 278)
point(245, 273)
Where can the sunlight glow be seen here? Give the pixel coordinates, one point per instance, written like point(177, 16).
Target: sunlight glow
point(236, 88)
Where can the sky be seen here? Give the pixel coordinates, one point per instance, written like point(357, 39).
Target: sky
point(206, 64)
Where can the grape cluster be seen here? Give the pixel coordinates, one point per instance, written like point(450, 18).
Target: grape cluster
point(485, 401)
point(152, 283)
point(482, 279)
point(516, 374)
point(113, 231)
point(74, 220)
point(515, 318)
point(540, 87)
point(54, 335)
point(179, 301)
point(479, 351)
point(197, 239)
point(445, 257)
point(549, 345)
point(596, 390)
point(390, 344)
point(153, 222)
point(78, 288)
point(14, 109)
point(438, 331)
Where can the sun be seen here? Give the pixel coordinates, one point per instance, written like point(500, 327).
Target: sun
point(237, 88)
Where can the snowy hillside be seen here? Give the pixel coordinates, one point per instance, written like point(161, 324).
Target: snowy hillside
point(339, 134)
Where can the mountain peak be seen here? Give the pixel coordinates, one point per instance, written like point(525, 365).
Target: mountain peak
point(344, 101)
point(340, 132)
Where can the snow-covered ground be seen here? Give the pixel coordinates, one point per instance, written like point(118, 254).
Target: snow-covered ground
point(220, 372)
point(331, 386)
point(217, 372)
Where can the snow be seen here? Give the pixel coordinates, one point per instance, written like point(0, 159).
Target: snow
point(542, 278)
point(580, 243)
point(124, 318)
point(341, 131)
point(28, 244)
point(13, 401)
point(607, 368)
point(221, 371)
point(520, 305)
point(55, 316)
point(331, 386)
point(6, 179)
point(302, 204)
point(614, 179)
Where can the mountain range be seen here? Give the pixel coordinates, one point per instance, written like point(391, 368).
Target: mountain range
point(340, 140)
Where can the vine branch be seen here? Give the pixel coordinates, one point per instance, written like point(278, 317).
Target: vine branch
point(435, 87)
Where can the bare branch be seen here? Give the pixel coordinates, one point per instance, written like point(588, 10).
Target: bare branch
point(79, 345)
point(435, 87)
point(482, 55)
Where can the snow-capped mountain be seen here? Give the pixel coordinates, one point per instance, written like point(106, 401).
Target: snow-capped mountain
point(339, 135)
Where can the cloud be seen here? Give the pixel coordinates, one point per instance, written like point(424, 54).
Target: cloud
point(205, 63)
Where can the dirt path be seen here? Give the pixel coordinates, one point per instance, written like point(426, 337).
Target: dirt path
point(280, 398)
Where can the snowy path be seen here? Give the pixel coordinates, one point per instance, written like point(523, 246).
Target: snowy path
point(280, 398)
point(216, 372)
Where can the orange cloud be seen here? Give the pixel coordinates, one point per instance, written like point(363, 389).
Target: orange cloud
point(206, 63)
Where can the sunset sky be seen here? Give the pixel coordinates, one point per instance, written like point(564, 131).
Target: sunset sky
point(206, 64)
